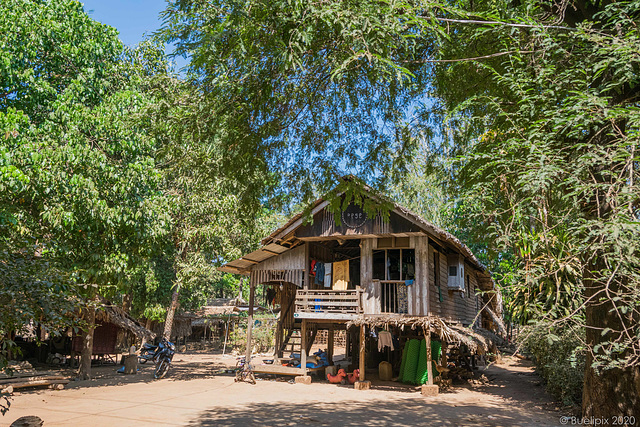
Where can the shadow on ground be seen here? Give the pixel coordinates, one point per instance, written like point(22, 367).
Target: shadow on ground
point(375, 413)
point(107, 375)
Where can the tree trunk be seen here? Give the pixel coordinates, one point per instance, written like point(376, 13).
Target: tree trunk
point(127, 299)
point(84, 371)
point(612, 392)
point(168, 323)
point(144, 339)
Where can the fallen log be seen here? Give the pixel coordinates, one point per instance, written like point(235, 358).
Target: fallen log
point(39, 383)
point(25, 374)
point(32, 378)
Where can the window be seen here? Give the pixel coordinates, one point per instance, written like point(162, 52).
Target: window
point(408, 264)
point(379, 258)
point(453, 270)
point(394, 264)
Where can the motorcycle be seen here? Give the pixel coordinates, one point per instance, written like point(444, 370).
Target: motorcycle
point(161, 354)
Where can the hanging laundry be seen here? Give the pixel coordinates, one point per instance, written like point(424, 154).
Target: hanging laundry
point(385, 339)
point(319, 280)
point(312, 269)
point(341, 275)
point(327, 275)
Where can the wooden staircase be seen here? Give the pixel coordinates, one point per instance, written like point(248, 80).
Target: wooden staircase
point(292, 342)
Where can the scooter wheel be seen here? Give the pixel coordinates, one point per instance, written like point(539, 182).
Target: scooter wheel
point(162, 369)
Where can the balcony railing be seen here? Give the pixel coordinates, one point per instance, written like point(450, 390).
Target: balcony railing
point(393, 297)
point(328, 304)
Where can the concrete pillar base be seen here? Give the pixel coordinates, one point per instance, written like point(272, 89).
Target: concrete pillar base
point(303, 379)
point(429, 390)
point(362, 385)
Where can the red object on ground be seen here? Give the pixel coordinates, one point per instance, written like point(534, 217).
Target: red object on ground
point(353, 377)
point(337, 378)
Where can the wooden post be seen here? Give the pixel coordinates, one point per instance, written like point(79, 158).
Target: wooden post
point(330, 343)
point(277, 345)
point(252, 294)
point(362, 351)
point(306, 267)
point(226, 334)
point(427, 337)
point(303, 346)
point(421, 288)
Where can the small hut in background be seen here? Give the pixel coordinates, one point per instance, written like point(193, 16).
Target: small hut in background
point(180, 330)
point(215, 323)
point(115, 331)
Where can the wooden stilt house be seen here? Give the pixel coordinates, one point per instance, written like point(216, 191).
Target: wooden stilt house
point(369, 271)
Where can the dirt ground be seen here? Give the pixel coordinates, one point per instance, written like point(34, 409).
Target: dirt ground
point(196, 392)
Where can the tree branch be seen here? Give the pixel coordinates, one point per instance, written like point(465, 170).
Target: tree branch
point(493, 55)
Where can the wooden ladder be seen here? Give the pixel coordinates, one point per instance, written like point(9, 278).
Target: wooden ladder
point(292, 343)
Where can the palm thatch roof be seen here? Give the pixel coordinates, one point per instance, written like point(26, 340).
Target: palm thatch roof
point(108, 312)
point(477, 339)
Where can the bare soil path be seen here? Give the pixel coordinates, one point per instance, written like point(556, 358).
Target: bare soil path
point(195, 394)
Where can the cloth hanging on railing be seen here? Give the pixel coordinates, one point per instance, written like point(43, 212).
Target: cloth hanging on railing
point(327, 275)
point(319, 273)
point(341, 275)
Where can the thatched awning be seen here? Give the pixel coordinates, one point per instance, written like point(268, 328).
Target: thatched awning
point(477, 339)
point(108, 312)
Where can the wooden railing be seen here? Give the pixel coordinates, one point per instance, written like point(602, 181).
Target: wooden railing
point(328, 304)
point(393, 297)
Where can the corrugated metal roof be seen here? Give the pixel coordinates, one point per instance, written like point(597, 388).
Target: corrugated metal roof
point(243, 264)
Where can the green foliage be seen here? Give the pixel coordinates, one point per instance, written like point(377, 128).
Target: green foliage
point(554, 172)
point(560, 357)
point(80, 196)
point(32, 290)
point(286, 83)
point(538, 102)
point(48, 47)
point(262, 334)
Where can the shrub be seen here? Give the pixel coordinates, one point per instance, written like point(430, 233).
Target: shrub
point(262, 335)
point(559, 358)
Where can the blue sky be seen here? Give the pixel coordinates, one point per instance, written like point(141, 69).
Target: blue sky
point(132, 18)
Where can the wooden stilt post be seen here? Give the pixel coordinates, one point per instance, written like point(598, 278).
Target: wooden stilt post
point(303, 347)
point(427, 337)
point(361, 384)
point(362, 351)
point(429, 389)
point(304, 378)
point(330, 338)
point(278, 341)
point(226, 335)
point(252, 294)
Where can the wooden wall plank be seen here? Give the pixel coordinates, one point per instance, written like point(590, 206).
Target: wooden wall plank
point(422, 275)
point(370, 297)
